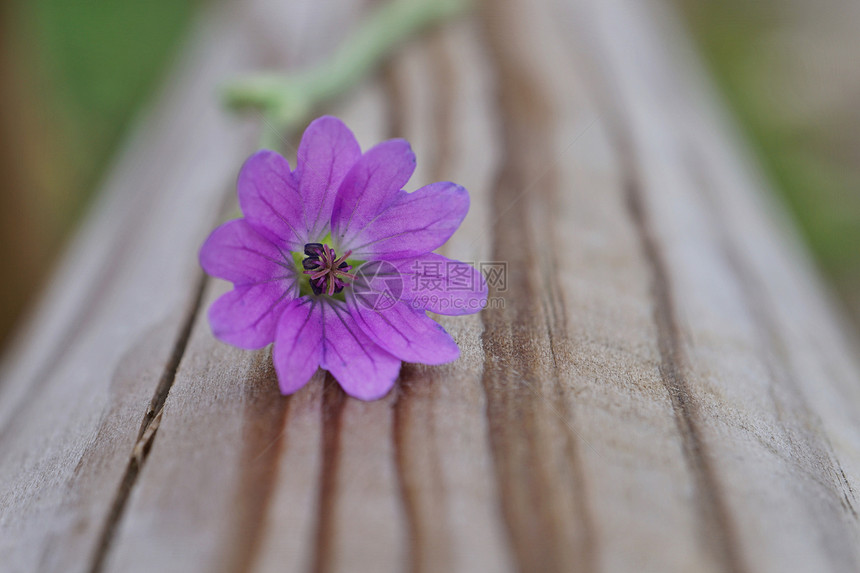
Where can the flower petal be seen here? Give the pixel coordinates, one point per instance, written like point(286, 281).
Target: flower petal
point(412, 225)
point(317, 332)
point(408, 334)
point(247, 316)
point(371, 185)
point(298, 344)
point(326, 153)
point(441, 285)
point(269, 198)
point(363, 369)
point(237, 253)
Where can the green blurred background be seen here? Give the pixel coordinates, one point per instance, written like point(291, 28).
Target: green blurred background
point(790, 71)
point(75, 73)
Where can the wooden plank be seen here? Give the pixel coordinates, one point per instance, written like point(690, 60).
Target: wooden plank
point(767, 473)
point(594, 306)
point(112, 328)
point(664, 388)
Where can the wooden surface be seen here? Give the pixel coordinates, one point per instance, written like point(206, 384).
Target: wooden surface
point(666, 387)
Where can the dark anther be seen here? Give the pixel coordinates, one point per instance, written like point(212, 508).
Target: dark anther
point(310, 263)
point(314, 250)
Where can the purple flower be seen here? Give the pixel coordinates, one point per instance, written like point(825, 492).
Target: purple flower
point(332, 262)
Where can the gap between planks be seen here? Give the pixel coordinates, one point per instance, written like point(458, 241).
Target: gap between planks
point(148, 430)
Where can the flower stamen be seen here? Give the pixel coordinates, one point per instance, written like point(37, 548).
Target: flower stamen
point(328, 272)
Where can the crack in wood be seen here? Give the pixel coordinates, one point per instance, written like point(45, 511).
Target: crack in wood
point(541, 482)
point(147, 433)
point(422, 493)
point(718, 531)
point(331, 410)
point(715, 513)
point(812, 445)
point(265, 436)
point(428, 544)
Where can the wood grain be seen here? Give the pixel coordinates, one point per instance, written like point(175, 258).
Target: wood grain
point(662, 384)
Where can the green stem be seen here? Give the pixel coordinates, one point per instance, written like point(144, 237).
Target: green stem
point(287, 100)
